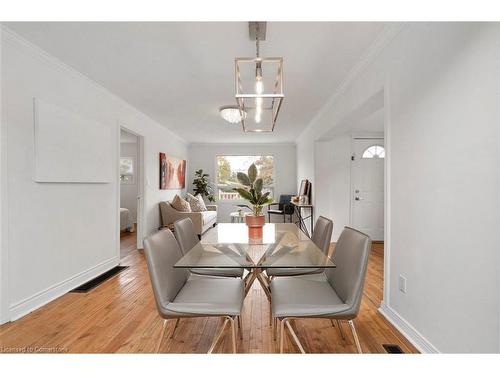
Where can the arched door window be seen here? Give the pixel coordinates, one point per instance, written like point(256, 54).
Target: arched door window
point(374, 152)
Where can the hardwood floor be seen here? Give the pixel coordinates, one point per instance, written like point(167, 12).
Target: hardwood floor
point(120, 316)
point(128, 243)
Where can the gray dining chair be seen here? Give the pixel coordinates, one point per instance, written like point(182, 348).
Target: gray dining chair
point(321, 237)
point(187, 238)
point(179, 295)
point(336, 294)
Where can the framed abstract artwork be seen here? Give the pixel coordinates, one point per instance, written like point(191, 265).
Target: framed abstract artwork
point(172, 172)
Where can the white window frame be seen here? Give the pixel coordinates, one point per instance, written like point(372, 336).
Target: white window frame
point(374, 156)
point(241, 200)
point(134, 170)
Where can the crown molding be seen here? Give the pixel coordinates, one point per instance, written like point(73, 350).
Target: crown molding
point(13, 39)
point(378, 45)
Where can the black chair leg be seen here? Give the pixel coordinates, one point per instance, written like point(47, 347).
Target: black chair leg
point(284, 217)
point(269, 215)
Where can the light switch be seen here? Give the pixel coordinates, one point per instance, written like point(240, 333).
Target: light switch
point(402, 283)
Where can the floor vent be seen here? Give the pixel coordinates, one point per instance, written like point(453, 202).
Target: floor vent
point(89, 285)
point(392, 349)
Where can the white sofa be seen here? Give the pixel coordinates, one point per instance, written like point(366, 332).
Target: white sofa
point(202, 221)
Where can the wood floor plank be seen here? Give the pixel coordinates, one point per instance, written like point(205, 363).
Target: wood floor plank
point(119, 316)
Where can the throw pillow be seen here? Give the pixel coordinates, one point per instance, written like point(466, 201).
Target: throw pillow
point(202, 202)
point(197, 204)
point(180, 204)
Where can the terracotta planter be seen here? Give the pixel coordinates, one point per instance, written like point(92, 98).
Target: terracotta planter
point(255, 221)
point(255, 235)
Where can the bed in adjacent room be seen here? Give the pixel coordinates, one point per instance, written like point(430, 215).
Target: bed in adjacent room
point(126, 223)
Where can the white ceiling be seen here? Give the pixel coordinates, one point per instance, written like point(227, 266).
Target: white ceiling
point(373, 123)
point(179, 73)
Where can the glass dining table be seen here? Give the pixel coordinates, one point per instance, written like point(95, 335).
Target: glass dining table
point(237, 246)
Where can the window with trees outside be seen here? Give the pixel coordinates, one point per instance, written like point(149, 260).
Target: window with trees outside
point(127, 172)
point(229, 166)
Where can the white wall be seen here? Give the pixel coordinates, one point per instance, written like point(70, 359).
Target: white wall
point(3, 208)
point(129, 192)
point(332, 181)
point(202, 156)
point(61, 235)
point(441, 85)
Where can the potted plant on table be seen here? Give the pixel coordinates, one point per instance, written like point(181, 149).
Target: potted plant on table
point(252, 192)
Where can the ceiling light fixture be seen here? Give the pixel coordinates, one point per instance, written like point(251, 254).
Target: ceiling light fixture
point(253, 76)
point(232, 114)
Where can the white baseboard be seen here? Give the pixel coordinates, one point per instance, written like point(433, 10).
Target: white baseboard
point(407, 330)
point(21, 308)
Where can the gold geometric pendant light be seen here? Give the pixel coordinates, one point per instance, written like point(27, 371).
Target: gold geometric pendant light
point(259, 86)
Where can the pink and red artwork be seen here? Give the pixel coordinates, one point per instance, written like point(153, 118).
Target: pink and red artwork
point(172, 172)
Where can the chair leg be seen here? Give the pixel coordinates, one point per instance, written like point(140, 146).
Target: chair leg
point(240, 327)
point(355, 335)
point(284, 217)
point(218, 336)
point(341, 331)
point(294, 336)
point(270, 312)
point(233, 333)
point(162, 335)
point(282, 334)
point(269, 217)
point(275, 328)
point(175, 327)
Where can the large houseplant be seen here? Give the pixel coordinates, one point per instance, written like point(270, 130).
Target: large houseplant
point(252, 192)
point(203, 186)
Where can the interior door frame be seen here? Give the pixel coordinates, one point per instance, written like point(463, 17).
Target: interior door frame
point(140, 179)
point(4, 218)
point(354, 137)
point(387, 197)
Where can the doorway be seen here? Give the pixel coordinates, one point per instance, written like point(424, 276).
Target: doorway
point(130, 191)
point(367, 186)
point(352, 187)
point(367, 206)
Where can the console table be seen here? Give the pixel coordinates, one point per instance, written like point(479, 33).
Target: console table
point(301, 222)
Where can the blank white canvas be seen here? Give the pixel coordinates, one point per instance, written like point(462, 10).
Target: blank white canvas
point(70, 148)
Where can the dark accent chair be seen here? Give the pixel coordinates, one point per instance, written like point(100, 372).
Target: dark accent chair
point(284, 208)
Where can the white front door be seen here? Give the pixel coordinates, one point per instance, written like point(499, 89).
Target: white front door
point(367, 184)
